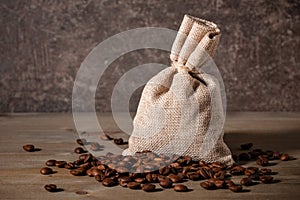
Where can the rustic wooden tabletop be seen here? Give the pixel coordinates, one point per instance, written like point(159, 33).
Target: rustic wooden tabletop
point(54, 134)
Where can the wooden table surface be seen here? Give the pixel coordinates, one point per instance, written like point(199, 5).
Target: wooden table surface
point(20, 177)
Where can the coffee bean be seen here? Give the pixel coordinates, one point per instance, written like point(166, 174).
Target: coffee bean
point(276, 155)
point(175, 178)
point(108, 182)
point(148, 187)
point(246, 181)
point(46, 171)
point(266, 179)
point(254, 177)
point(180, 188)
point(165, 183)
point(29, 147)
point(69, 166)
point(208, 185)
point(79, 150)
point(77, 172)
point(50, 162)
point(194, 176)
point(284, 157)
point(60, 164)
point(203, 173)
point(229, 183)
point(265, 171)
point(219, 183)
point(118, 141)
point(246, 146)
point(50, 188)
point(134, 185)
point(164, 171)
point(81, 192)
point(236, 188)
point(100, 177)
point(140, 180)
point(244, 157)
point(81, 141)
point(237, 170)
point(263, 161)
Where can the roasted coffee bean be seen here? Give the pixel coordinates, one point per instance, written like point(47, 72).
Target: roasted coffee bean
point(254, 177)
point(246, 146)
point(29, 147)
point(50, 162)
point(140, 180)
point(237, 170)
point(51, 188)
point(148, 187)
point(276, 155)
point(81, 192)
point(263, 161)
point(220, 175)
point(124, 180)
point(265, 171)
point(229, 183)
point(79, 150)
point(60, 164)
point(194, 176)
point(108, 182)
point(70, 166)
point(77, 172)
point(208, 185)
point(236, 188)
point(95, 146)
point(100, 177)
point(244, 157)
point(118, 141)
point(46, 171)
point(202, 163)
point(246, 181)
point(203, 173)
point(134, 185)
point(175, 178)
point(284, 157)
point(180, 188)
point(166, 183)
point(266, 179)
point(81, 141)
point(152, 178)
point(219, 183)
point(164, 171)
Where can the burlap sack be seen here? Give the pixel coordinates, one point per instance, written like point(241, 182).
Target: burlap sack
point(180, 111)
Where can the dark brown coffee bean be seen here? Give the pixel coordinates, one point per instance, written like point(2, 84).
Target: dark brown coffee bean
point(29, 147)
point(108, 182)
point(263, 161)
point(254, 177)
point(118, 141)
point(70, 166)
point(46, 171)
point(218, 165)
point(229, 183)
point(165, 183)
point(140, 180)
point(236, 188)
point(284, 157)
point(219, 183)
point(238, 170)
point(244, 157)
point(164, 171)
point(79, 150)
point(246, 146)
point(81, 192)
point(77, 172)
point(276, 155)
point(194, 176)
point(208, 185)
point(265, 171)
point(60, 164)
point(180, 188)
point(220, 175)
point(148, 187)
point(81, 141)
point(95, 146)
point(100, 177)
point(50, 162)
point(246, 181)
point(203, 173)
point(175, 178)
point(266, 179)
point(134, 185)
point(51, 188)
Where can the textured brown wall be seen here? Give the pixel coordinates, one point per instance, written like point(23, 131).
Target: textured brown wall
point(42, 44)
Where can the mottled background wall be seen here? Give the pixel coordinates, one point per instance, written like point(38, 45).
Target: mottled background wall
point(42, 44)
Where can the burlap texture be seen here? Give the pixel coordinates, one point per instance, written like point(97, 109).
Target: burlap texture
point(180, 111)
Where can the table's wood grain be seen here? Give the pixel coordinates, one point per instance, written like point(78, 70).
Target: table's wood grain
point(20, 177)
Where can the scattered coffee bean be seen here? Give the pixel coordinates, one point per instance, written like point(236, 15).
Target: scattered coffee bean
point(81, 141)
point(262, 160)
point(246, 181)
point(180, 188)
point(165, 183)
point(79, 150)
point(108, 182)
point(51, 188)
point(266, 179)
point(254, 177)
point(118, 141)
point(208, 185)
point(46, 171)
point(134, 185)
point(29, 147)
point(175, 178)
point(50, 162)
point(81, 192)
point(246, 146)
point(148, 187)
point(194, 176)
point(236, 188)
point(60, 164)
point(265, 171)
point(284, 157)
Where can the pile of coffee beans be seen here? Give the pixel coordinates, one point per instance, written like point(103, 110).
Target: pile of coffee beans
point(146, 169)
